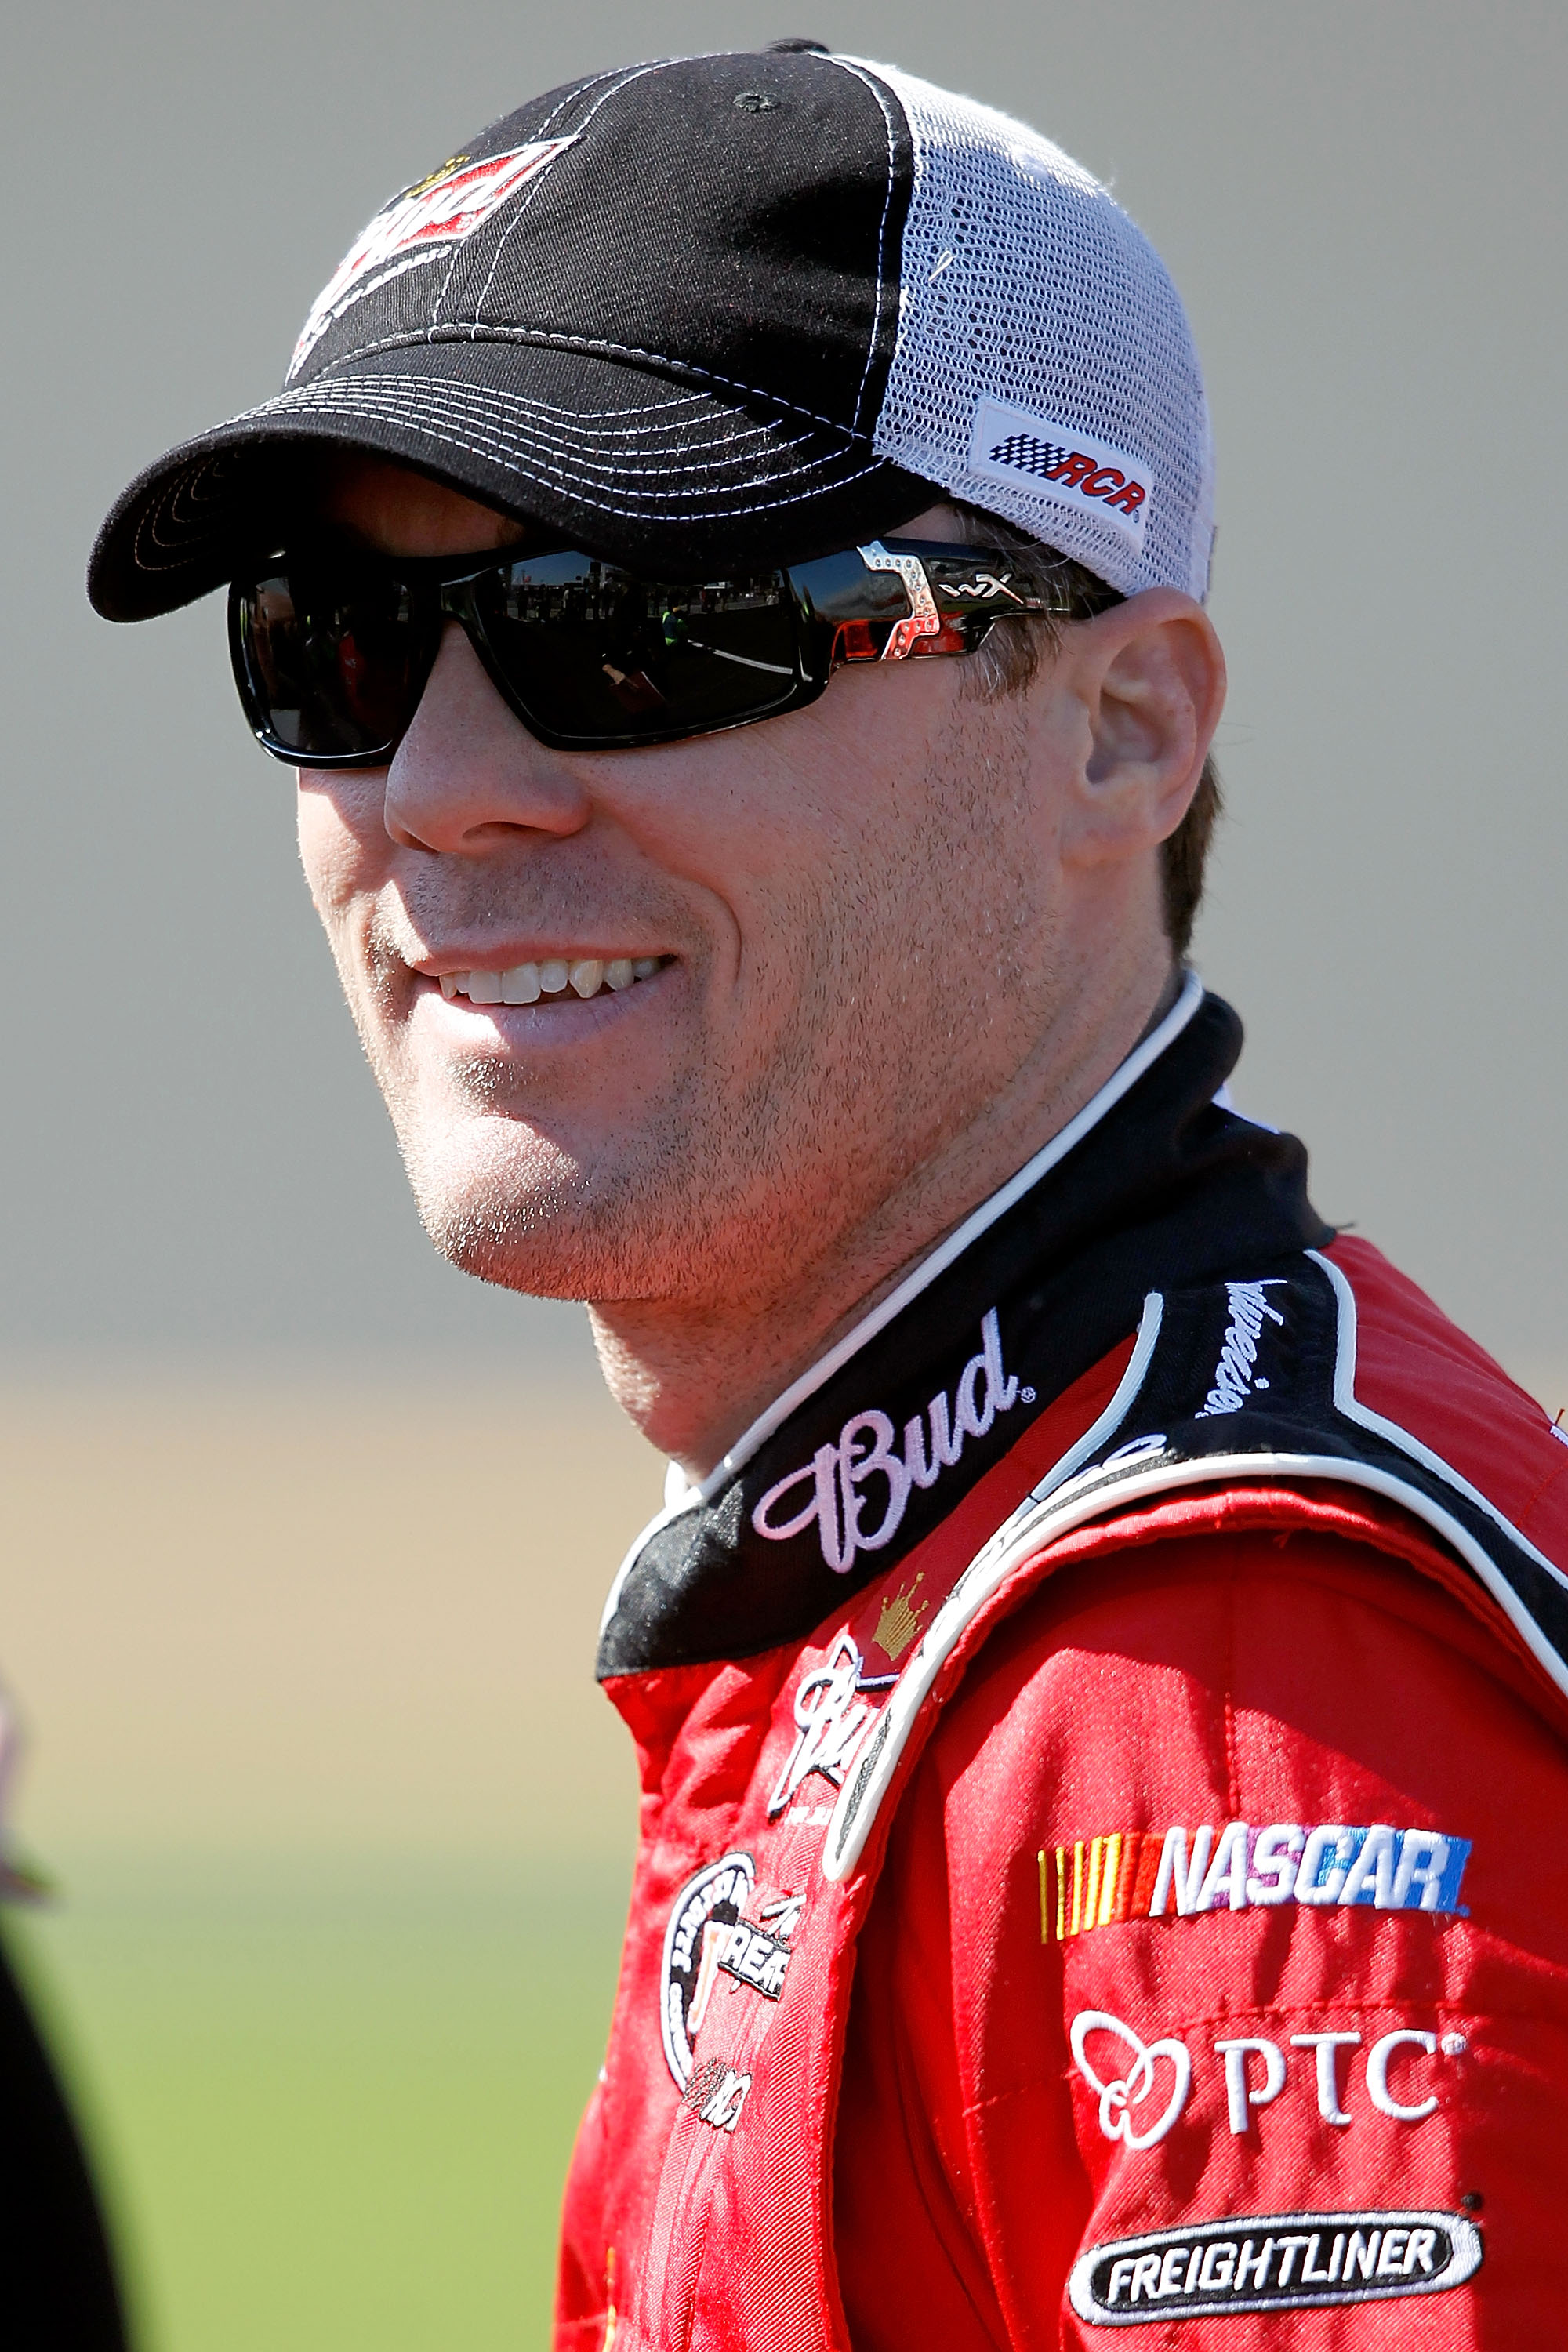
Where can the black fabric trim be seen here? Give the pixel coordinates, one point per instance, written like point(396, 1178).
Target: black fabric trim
point(1288, 1413)
point(1239, 1384)
point(1165, 1191)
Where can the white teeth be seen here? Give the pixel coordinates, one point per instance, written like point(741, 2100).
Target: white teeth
point(525, 984)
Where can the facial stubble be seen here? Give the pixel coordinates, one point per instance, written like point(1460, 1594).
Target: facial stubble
point(887, 972)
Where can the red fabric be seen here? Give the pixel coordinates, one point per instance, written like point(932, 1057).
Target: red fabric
point(1260, 1676)
point(1213, 1657)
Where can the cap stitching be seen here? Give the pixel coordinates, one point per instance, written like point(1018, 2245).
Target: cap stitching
point(479, 331)
point(634, 74)
point(579, 465)
point(506, 450)
point(576, 91)
point(655, 433)
point(881, 230)
point(382, 391)
point(749, 505)
point(365, 394)
point(489, 392)
point(147, 521)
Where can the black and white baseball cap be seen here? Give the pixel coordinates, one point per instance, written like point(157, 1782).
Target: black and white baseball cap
point(722, 313)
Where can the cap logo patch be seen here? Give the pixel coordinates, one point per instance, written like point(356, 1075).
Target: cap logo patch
point(427, 220)
point(1010, 444)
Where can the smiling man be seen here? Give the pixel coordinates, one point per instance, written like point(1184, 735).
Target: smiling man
point(728, 566)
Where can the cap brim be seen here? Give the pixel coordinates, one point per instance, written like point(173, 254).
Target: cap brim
point(662, 474)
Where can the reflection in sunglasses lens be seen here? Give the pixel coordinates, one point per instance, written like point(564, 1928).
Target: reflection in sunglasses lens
point(336, 666)
point(335, 660)
point(591, 651)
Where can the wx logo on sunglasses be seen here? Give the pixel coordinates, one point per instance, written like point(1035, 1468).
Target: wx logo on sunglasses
point(985, 585)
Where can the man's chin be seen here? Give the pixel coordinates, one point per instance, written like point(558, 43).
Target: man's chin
point(530, 1219)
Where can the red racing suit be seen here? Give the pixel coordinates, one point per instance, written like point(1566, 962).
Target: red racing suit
point(1104, 1801)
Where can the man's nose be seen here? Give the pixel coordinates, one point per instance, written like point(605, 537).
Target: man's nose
point(467, 766)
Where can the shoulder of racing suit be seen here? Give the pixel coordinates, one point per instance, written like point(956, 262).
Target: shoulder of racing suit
point(1263, 1378)
point(1216, 1969)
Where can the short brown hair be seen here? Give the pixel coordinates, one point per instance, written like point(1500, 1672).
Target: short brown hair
point(1010, 658)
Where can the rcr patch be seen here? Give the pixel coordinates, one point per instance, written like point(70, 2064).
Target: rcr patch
point(701, 1919)
point(423, 222)
point(1155, 1875)
point(1272, 2261)
point(1069, 468)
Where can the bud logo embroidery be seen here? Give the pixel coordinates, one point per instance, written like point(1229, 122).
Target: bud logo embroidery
point(858, 1489)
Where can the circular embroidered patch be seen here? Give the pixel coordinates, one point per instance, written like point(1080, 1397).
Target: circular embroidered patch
point(706, 1906)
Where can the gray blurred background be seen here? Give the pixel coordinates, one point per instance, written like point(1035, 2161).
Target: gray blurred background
point(1361, 201)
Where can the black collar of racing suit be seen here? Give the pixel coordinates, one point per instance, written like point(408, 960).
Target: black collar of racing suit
point(1162, 1187)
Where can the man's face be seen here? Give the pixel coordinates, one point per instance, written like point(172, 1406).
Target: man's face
point(852, 910)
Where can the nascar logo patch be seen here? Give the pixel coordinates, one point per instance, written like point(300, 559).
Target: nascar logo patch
point(1157, 1874)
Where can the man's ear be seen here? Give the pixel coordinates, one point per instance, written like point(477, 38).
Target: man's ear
point(1149, 676)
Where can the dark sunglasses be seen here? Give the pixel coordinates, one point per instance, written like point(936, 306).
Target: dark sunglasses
point(332, 648)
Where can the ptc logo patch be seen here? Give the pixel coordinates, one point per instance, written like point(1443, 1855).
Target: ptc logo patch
point(1069, 468)
point(701, 1920)
point(1134, 2088)
point(1273, 2262)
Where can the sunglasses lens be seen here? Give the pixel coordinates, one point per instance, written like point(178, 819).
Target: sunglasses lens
point(329, 667)
point(596, 655)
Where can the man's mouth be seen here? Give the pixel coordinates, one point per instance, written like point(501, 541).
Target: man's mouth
point(525, 984)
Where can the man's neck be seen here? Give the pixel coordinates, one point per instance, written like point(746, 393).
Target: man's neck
point(694, 1376)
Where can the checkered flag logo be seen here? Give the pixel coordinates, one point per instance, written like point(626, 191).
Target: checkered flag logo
point(1029, 454)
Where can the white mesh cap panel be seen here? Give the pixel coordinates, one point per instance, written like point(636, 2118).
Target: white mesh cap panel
point(1040, 340)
